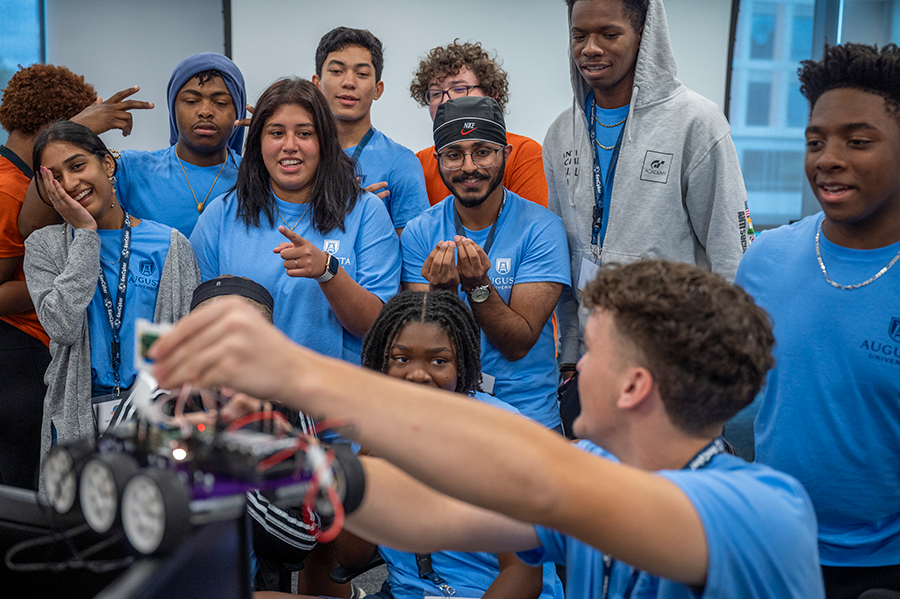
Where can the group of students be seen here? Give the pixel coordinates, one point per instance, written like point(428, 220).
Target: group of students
point(331, 218)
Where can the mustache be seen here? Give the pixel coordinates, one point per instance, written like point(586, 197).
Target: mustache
point(476, 176)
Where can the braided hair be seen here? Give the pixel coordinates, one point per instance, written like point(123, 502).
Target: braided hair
point(442, 308)
point(856, 66)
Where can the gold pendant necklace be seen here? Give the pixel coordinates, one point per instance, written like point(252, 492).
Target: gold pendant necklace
point(610, 126)
point(200, 205)
point(302, 216)
point(858, 285)
point(612, 147)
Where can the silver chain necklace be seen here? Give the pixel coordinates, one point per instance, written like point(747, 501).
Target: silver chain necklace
point(858, 285)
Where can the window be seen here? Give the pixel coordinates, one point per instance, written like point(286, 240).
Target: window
point(768, 113)
point(21, 35)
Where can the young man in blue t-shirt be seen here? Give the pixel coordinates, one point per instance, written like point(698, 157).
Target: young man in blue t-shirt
point(830, 414)
point(672, 353)
point(505, 255)
point(349, 63)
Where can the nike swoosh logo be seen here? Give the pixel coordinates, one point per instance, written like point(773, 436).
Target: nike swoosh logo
point(467, 132)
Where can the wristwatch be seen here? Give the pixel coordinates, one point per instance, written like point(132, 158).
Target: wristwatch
point(480, 294)
point(331, 268)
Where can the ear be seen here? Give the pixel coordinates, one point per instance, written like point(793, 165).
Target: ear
point(316, 81)
point(379, 89)
point(637, 385)
point(109, 165)
point(507, 150)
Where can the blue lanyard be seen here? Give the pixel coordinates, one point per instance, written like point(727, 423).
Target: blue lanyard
point(115, 318)
point(426, 571)
point(599, 189)
point(362, 144)
point(698, 462)
point(461, 231)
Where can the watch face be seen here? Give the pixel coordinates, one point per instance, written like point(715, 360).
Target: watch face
point(99, 496)
point(59, 479)
point(479, 294)
point(143, 514)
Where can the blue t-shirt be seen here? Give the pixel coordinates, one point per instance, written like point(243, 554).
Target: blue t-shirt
point(149, 248)
point(469, 573)
point(529, 246)
point(760, 528)
point(152, 185)
point(829, 414)
point(383, 159)
point(367, 249)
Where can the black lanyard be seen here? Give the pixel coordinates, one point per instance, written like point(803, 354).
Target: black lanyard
point(115, 318)
point(426, 571)
point(599, 189)
point(461, 231)
point(362, 144)
point(698, 462)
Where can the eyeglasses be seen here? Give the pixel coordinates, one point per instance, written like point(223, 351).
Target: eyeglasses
point(481, 158)
point(436, 96)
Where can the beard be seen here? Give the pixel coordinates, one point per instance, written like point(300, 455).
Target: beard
point(454, 182)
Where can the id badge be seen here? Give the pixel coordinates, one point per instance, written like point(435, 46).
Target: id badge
point(589, 271)
point(487, 384)
point(104, 409)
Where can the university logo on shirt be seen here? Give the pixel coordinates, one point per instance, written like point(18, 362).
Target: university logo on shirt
point(332, 246)
point(894, 331)
point(503, 265)
point(146, 267)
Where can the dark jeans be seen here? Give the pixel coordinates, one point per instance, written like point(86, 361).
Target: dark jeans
point(23, 361)
point(850, 583)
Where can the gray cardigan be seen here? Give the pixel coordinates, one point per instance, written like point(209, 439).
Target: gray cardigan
point(61, 270)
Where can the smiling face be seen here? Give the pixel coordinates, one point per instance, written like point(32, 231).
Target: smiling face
point(605, 49)
point(424, 354)
point(852, 153)
point(290, 152)
point(348, 83)
point(85, 177)
point(205, 117)
point(472, 185)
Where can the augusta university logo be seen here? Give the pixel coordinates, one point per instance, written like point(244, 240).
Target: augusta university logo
point(894, 330)
point(146, 268)
point(331, 246)
point(503, 265)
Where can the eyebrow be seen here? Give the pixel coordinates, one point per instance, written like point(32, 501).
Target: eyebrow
point(429, 349)
point(340, 63)
point(73, 158)
point(195, 92)
point(847, 128)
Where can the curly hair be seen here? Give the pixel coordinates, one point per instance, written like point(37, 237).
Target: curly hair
point(442, 308)
point(857, 66)
point(445, 61)
point(635, 11)
point(706, 343)
point(335, 189)
point(42, 94)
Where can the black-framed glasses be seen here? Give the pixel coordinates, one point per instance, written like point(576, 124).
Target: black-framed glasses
point(452, 160)
point(436, 96)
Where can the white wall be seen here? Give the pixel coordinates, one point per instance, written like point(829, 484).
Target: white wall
point(119, 43)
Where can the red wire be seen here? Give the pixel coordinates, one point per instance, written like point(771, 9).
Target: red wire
point(255, 416)
point(330, 423)
point(277, 458)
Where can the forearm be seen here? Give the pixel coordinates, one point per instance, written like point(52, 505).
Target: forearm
point(507, 330)
point(14, 298)
point(35, 214)
point(516, 580)
point(355, 307)
point(567, 320)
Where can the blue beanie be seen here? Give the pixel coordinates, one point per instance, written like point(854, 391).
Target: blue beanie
point(234, 82)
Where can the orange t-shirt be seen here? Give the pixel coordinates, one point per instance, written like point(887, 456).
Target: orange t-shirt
point(524, 171)
point(13, 185)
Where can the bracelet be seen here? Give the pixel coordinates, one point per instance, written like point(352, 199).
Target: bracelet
point(567, 366)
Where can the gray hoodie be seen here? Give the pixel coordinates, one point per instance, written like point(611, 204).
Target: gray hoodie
point(677, 194)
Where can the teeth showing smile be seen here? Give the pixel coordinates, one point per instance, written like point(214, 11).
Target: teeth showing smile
point(289, 162)
point(82, 194)
point(834, 188)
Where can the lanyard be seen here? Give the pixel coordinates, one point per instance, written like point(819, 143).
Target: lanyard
point(426, 571)
point(115, 319)
point(362, 144)
point(698, 462)
point(461, 231)
point(599, 189)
